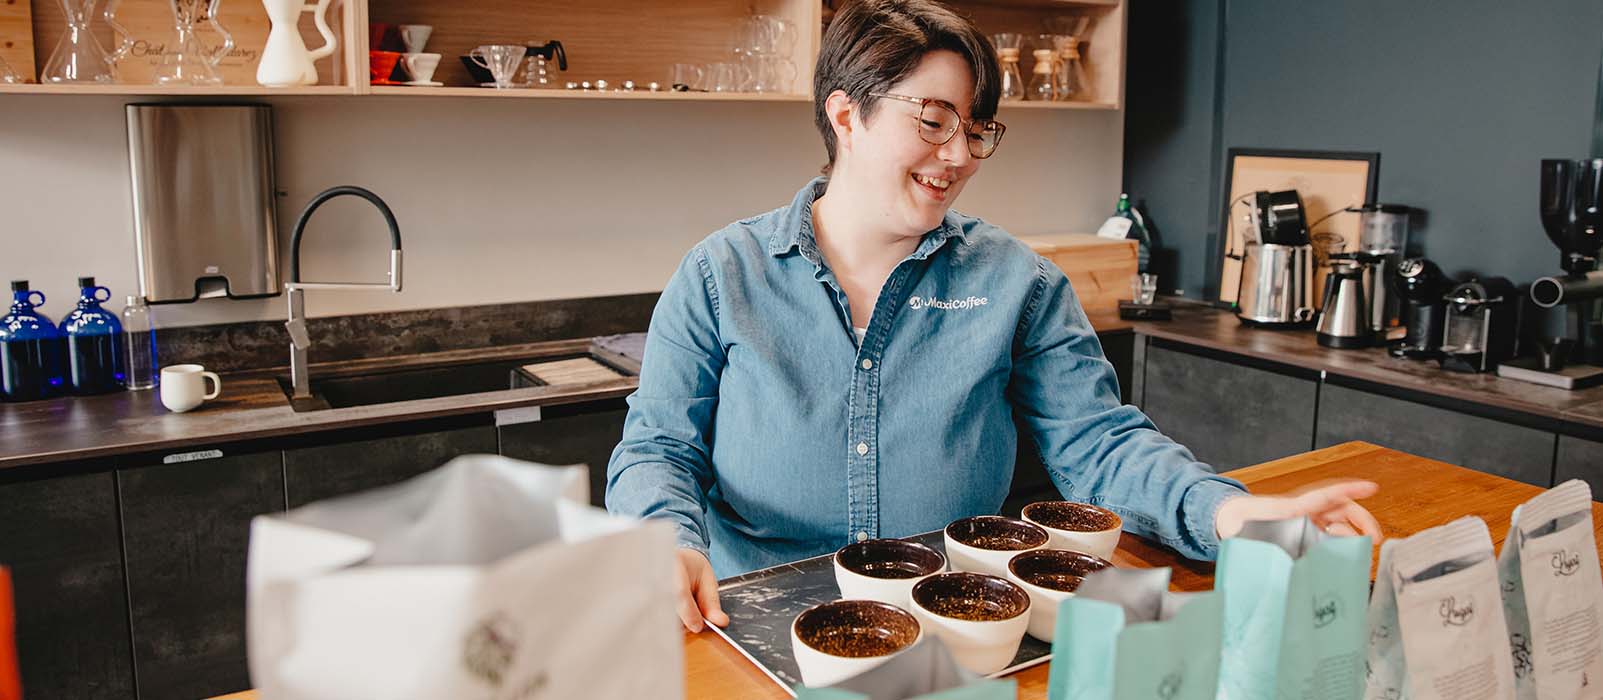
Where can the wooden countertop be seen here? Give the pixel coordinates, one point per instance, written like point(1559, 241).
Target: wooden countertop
point(1415, 494)
point(1219, 330)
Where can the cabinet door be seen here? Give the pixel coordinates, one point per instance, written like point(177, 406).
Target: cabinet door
point(580, 438)
point(186, 527)
point(59, 536)
point(324, 471)
point(1508, 450)
point(1580, 459)
point(1230, 415)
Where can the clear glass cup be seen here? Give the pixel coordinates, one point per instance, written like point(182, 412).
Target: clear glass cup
point(1144, 288)
point(685, 77)
point(727, 77)
point(6, 74)
point(502, 60)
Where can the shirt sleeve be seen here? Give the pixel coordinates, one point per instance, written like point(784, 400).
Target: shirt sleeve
point(663, 466)
point(1097, 449)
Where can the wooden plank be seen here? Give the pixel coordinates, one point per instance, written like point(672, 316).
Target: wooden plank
point(1099, 268)
point(16, 37)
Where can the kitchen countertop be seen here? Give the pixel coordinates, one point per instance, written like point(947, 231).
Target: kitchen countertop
point(253, 407)
point(1415, 494)
point(1216, 329)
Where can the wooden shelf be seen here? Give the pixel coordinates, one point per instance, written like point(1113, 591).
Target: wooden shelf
point(523, 93)
point(1021, 104)
point(163, 90)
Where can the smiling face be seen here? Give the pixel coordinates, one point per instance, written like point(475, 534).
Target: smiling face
point(884, 160)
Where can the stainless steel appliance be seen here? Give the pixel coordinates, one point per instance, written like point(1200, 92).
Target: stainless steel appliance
point(1383, 234)
point(204, 221)
point(1482, 325)
point(1277, 265)
point(1344, 317)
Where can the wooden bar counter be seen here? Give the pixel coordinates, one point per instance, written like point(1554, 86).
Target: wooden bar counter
point(1415, 493)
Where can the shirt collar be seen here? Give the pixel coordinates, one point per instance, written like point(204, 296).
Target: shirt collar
point(795, 232)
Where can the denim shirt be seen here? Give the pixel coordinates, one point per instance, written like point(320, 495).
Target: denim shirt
point(767, 433)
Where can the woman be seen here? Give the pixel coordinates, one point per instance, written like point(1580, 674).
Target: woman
point(849, 366)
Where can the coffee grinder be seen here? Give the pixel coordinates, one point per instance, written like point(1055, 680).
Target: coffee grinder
point(1572, 215)
point(1276, 263)
point(1419, 284)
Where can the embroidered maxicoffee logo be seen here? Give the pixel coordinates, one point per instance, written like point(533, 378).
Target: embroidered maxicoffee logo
point(1565, 563)
point(1455, 614)
point(1169, 687)
point(917, 302)
point(1522, 654)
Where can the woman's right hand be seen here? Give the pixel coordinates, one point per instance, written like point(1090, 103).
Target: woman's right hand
point(698, 592)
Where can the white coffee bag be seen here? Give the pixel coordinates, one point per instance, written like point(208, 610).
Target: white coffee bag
point(1385, 672)
point(1552, 591)
point(1449, 616)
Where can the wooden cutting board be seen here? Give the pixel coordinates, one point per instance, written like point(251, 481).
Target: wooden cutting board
point(580, 370)
point(1099, 268)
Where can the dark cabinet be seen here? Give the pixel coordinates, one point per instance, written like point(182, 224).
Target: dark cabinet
point(1487, 445)
point(1580, 459)
point(586, 437)
point(59, 537)
point(186, 530)
point(1230, 415)
point(322, 471)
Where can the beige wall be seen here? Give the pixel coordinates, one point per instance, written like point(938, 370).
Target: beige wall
point(499, 200)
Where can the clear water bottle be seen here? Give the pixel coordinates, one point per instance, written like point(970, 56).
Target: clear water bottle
point(1137, 231)
point(139, 342)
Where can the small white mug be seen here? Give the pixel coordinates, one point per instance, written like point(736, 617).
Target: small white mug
point(183, 387)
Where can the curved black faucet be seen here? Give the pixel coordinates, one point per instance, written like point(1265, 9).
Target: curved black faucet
point(299, 340)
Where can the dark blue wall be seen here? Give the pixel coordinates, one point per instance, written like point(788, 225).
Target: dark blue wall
point(1460, 97)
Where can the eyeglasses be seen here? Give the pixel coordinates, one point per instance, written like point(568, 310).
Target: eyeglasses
point(938, 121)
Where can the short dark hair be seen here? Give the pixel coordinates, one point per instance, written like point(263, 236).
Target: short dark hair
point(874, 44)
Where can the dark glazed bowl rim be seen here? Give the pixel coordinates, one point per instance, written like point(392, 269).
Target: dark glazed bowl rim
point(1036, 531)
point(1015, 593)
point(843, 556)
point(1090, 562)
point(1118, 521)
point(891, 611)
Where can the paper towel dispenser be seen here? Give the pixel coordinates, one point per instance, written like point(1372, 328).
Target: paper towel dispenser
point(203, 193)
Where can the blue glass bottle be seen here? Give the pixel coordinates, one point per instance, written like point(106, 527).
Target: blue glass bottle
point(94, 343)
point(32, 349)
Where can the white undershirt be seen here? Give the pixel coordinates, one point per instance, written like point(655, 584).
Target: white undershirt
point(861, 333)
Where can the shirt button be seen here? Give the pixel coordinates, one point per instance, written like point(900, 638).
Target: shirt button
point(862, 448)
point(868, 364)
point(862, 537)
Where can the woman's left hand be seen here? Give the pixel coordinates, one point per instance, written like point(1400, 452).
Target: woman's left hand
point(1332, 507)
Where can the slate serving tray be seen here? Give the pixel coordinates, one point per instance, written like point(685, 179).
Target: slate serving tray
point(762, 604)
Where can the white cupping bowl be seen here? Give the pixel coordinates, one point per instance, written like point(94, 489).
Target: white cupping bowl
point(1033, 571)
point(1053, 516)
point(966, 537)
point(865, 570)
point(836, 620)
point(981, 646)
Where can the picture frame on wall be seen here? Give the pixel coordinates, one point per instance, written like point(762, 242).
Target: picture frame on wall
point(1328, 181)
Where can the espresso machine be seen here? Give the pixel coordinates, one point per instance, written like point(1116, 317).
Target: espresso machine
point(1482, 325)
point(1572, 215)
point(1276, 263)
point(1419, 284)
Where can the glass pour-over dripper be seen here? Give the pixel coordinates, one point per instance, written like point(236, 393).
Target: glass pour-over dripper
point(1008, 45)
point(190, 62)
point(78, 56)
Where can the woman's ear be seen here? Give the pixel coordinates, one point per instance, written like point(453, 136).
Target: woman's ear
point(839, 108)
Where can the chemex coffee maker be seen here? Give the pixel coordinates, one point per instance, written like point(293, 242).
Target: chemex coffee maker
point(1572, 215)
point(1276, 264)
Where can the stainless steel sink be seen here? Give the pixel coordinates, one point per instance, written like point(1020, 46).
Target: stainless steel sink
point(410, 384)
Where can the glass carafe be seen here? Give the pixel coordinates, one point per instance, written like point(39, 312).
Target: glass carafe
point(190, 62)
point(78, 56)
point(1041, 83)
point(1007, 53)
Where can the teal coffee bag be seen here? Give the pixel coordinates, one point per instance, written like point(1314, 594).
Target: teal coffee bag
point(1552, 592)
point(1294, 612)
point(1124, 636)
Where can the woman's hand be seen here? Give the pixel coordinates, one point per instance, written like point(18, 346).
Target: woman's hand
point(1332, 507)
point(698, 592)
